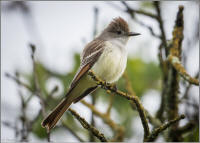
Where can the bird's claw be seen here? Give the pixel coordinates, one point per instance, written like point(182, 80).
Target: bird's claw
point(111, 86)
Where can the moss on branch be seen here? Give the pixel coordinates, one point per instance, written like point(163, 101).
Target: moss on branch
point(173, 76)
point(181, 70)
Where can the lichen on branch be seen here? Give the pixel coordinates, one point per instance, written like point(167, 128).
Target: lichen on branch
point(176, 63)
point(175, 51)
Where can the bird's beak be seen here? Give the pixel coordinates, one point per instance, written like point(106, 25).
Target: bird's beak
point(133, 34)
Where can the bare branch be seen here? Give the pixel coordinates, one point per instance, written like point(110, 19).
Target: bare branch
point(71, 131)
point(189, 126)
point(154, 121)
point(133, 98)
point(158, 130)
point(96, 18)
point(18, 81)
point(35, 78)
point(148, 27)
point(87, 126)
point(185, 95)
point(38, 92)
point(110, 104)
point(161, 25)
point(119, 130)
point(131, 11)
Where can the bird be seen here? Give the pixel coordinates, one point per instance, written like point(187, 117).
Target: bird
point(106, 56)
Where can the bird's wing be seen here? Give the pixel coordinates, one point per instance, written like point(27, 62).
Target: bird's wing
point(90, 55)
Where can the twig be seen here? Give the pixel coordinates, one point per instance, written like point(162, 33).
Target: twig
point(135, 99)
point(24, 130)
point(23, 118)
point(154, 121)
point(132, 11)
point(36, 118)
point(163, 66)
point(160, 21)
point(18, 81)
point(14, 127)
point(96, 17)
point(37, 86)
point(119, 130)
point(87, 126)
point(148, 27)
point(114, 5)
point(26, 126)
point(185, 95)
point(110, 104)
point(35, 78)
point(54, 90)
point(128, 84)
point(189, 126)
point(158, 130)
point(71, 131)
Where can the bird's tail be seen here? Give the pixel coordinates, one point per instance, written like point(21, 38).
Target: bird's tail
point(50, 121)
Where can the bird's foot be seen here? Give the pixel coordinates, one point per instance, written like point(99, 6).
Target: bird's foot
point(111, 86)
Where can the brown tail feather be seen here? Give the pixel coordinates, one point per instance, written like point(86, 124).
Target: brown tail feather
point(50, 121)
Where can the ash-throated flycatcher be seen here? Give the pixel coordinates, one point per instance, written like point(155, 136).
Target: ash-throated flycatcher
point(106, 56)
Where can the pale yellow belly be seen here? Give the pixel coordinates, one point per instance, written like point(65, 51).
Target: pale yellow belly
point(111, 64)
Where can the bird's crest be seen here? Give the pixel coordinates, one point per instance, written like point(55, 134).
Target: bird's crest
point(118, 24)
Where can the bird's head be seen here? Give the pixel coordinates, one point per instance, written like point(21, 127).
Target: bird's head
point(118, 29)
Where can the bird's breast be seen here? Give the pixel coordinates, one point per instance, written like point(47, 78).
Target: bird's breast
point(112, 63)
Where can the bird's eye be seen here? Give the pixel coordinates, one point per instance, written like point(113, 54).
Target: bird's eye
point(119, 32)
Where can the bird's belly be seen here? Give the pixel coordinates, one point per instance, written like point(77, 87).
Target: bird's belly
point(111, 64)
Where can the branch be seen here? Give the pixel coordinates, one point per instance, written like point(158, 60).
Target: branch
point(131, 11)
point(14, 127)
point(23, 118)
point(133, 98)
point(119, 130)
point(64, 125)
point(38, 92)
point(110, 104)
point(18, 81)
point(35, 79)
point(185, 95)
point(158, 130)
point(87, 126)
point(96, 18)
point(54, 90)
point(189, 126)
point(161, 25)
point(174, 58)
point(173, 76)
point(163, 66)
point(154, 121)
point(176, 63)
point(148, 27)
